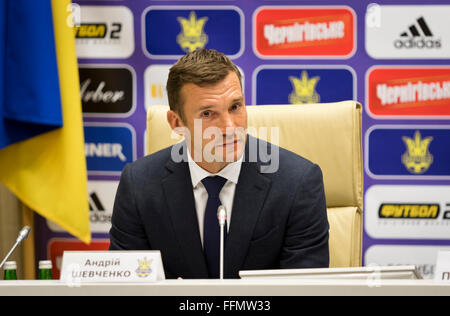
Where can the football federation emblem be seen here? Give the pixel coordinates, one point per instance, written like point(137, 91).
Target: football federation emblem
point(192, 36)
point(144, 269)
point(417, 159)
point(304, 89)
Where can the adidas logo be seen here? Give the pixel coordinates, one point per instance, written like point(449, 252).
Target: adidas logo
point(419, 36)
point(415, 32)
point(97, 210)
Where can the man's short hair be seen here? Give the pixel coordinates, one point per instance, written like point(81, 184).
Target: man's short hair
point(203, 67)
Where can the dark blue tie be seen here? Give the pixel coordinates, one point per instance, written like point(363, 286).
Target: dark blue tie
point(211, 229)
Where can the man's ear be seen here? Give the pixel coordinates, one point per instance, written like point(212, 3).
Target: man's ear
point(175, 122)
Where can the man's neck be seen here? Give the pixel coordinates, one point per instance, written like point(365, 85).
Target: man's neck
point(214, 167)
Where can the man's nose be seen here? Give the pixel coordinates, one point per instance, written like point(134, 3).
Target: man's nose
point(227, 124)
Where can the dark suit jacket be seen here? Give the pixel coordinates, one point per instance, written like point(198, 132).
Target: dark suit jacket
point(278, 219)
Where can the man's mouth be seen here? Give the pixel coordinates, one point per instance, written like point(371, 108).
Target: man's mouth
point(229, 143)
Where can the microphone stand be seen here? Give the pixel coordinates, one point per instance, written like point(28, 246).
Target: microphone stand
point(222, 216)
point(23, 234)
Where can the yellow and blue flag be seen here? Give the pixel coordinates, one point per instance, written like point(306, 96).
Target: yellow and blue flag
point(41, 129)
point(31, 102)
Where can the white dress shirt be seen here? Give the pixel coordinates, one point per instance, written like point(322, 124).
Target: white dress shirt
point(230, 172)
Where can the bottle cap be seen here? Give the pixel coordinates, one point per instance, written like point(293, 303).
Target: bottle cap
point(10, 265)
point(45, 264)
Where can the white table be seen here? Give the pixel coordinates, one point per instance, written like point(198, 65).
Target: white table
point(266, 287)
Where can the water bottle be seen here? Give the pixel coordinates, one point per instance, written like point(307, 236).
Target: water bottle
point(45, 270)
point(10, 268)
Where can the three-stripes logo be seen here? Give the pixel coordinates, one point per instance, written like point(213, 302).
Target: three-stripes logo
point(418, 35)
point(95, 203)
point(415, 32)
point(97, 210)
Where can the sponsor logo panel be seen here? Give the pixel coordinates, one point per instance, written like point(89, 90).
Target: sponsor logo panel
point(101, 204)
point(104, 32)
point(396, 152)
point(408, 211)
point(171, 33)
point(107, 90)
point(299, 32)
point(408, 91)
point(408, 32)
point(303, 84)
point(423, 257)
point(108, 148)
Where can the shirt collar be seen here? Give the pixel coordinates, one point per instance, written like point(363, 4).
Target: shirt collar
point(230, 172)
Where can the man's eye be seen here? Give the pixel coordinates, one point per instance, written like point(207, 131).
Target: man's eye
point(235, 107)
point(206, 114)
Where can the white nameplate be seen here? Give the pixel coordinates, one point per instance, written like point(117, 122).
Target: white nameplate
point(442, 272)
point(111, 267)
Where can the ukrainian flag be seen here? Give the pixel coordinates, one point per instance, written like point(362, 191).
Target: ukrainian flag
point(41, 129)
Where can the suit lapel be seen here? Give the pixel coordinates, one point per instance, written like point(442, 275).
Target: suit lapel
point(179, 195)
point(250, 194)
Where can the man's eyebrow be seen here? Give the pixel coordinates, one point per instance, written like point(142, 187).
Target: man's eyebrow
point(208, 107)
point(238, 99)
point(204, 108)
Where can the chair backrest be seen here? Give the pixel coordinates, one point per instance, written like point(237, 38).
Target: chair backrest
point(327, 134)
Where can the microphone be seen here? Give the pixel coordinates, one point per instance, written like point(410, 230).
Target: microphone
point(222, 217)
point(23, 234)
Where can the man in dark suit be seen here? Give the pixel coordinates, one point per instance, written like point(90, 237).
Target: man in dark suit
point(274, 199)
